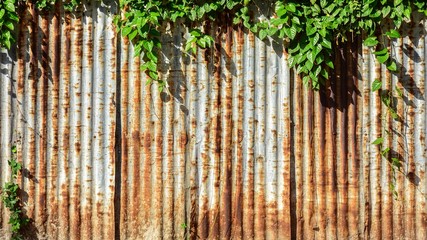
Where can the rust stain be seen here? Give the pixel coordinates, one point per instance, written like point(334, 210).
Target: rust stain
point(237, 198)
point(225, 155)
point(354, 139)
point(125, 147)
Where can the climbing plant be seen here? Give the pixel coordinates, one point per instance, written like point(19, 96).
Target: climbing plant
point(309, 28)
point(11, 199)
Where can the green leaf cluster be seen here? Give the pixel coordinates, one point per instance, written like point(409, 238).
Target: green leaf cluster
point(8, 20)
point(142, 21)
point(311, 28)
point(11, 199)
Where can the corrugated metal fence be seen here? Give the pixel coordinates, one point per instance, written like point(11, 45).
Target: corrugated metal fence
point(235, 148)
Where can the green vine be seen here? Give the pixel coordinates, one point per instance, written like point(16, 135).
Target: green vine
point(388, 99)
point(11, 199)
point(310, 28)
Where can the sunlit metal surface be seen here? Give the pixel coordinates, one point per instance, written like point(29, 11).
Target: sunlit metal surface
point(236, 147)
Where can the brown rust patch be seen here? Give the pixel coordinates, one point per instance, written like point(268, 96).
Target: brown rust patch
point(226, 138)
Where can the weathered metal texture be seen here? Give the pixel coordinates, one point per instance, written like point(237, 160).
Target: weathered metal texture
point(385, 217)
point(236, 147)
point(58, 107)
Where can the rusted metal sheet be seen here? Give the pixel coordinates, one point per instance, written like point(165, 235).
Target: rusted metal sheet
point(236, 147)
point(58, 87)
point(406, 217)
point(246, 151)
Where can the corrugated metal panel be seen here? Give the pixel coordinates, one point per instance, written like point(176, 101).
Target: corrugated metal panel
point(58, 107)
point(385, 217)
point(235, 148)
point(247, 152)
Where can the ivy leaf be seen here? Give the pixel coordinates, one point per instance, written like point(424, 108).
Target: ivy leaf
point(278, 21)
point(315, 39)
point(407, 13)
point(263, 34)
point(392, 66)
point(148, 45)
point(310, 30)
point(300, 58)
point(137, 50)
point(13, 16)
point(209, 40)
point(126, 30)
point(188, 46)
point(318, 70)
point(150, 65)
point(376, 85)
point(314, 79)
point(386, 10)
point(310, 57)
point(320, 58)
point(322, 32)
point(132, 35)
point(370, 42)
point(397, 2)
point(231, 4)
point(296, 20)
point(378, 141)
point(291, 32)
point(291, 7)
point(294, 49)
point(9, 25)
point(324, 73)
point(330, 63)
point(153, 75)
point(381, 52)
point(7, 43)
point(393, 34)
point(9, 6)
point(202, 43)
point(195, 33)
point(291, 61)
point(281, 11)
point(323, 3)
point(152, 56)
point(326, 43)
point(316, 50)
point(308, 65)
point(383, 58)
